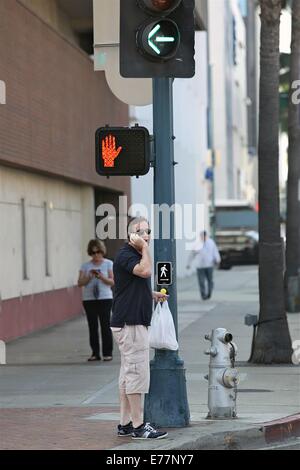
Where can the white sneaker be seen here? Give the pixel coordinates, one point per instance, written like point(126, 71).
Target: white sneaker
point(146, 431)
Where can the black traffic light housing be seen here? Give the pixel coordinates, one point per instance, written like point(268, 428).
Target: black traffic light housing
point(122, 151)
point(157, 38)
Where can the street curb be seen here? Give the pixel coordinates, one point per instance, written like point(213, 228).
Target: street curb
point(268, 433)
point(233, 436)
point(229, 440)
point(282, 429)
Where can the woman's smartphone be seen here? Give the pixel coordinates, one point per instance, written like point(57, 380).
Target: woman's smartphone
point(95, 271)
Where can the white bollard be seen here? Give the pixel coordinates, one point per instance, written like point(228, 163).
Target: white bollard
point(2, 352)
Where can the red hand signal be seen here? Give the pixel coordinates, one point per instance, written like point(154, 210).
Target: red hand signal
point(109, 151)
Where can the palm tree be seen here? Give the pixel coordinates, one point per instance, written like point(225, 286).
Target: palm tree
point(292, 287)
point(272, 343)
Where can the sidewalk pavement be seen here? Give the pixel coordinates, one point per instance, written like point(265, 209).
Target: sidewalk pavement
point(51, 398)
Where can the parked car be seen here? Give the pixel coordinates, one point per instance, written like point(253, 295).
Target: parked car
point(237, 247)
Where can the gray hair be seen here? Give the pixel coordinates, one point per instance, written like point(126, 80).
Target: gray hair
point(135, 221)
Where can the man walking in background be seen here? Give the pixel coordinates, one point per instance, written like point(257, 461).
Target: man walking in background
point(207, 256)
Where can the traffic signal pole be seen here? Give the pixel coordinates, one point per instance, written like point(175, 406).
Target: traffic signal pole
point(166, 403)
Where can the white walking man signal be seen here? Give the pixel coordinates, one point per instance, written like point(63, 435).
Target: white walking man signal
point(164, 273)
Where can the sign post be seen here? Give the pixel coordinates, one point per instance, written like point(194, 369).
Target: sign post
point(166, 403)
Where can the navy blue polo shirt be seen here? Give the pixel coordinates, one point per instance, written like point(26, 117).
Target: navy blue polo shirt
point(132, 301)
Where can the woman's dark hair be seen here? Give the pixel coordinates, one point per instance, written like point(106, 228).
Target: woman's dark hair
point(95, 243)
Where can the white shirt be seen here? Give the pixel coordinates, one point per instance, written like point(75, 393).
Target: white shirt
point(207, 254)
point(103, 290)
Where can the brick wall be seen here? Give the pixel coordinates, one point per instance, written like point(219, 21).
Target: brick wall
point(55, 101)
point(49, 11)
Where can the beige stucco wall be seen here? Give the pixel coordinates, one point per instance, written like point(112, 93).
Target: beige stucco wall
point(70, 212)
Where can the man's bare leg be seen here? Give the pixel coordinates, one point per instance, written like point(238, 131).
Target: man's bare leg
point(125, 416)
point(135, 401)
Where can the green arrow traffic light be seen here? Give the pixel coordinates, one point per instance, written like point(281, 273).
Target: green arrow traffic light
point(158, 38)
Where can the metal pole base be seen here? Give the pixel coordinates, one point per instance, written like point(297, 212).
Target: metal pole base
point(222, 413)
point(166, 403)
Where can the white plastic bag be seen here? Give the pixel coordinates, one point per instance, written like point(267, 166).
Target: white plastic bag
point(162, 330)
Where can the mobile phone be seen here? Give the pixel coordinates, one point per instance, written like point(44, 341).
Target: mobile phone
point(95, 271)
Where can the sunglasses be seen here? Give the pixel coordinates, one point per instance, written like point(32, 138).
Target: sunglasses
point(96, 252)
point(141, 232)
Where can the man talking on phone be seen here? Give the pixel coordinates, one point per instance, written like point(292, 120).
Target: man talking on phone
point(131, 318)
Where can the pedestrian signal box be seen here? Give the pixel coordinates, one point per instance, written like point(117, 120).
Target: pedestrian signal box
point(122, 151)
point(164, 273)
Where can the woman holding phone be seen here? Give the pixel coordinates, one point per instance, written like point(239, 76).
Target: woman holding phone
point(96, 278)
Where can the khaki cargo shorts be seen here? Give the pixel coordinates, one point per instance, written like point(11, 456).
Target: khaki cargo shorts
point(133, 342)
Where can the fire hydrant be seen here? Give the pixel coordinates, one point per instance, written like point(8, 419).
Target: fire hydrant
point(223, 376)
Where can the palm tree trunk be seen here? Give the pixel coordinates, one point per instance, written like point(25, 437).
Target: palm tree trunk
point(272, 343)
point(292, 278)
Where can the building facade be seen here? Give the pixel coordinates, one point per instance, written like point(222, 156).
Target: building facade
point(49, 189)
point(227, 37)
